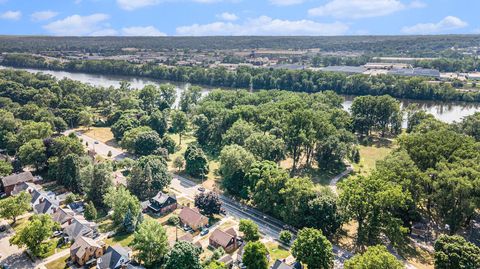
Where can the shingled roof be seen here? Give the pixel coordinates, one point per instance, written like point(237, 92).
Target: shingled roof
point(223, 237)
point(14, 179)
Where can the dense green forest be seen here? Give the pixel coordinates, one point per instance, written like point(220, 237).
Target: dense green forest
point(433, 176)
point(419, 46)
point(261, 78)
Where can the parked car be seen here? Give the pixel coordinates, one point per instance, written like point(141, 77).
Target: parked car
point(204, 232)
point(57, 233)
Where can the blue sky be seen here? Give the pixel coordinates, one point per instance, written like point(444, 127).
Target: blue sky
point(238, 17)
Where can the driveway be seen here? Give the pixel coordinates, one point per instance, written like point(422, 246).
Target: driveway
point(99, 147)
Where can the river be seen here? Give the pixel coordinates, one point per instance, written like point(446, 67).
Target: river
point(445, 111)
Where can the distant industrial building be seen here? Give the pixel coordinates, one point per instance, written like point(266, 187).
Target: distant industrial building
point(344, 69)
point(415, 72)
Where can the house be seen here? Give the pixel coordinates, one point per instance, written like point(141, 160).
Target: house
point(78, 226)
point(192, 218)
point(283, 265)
point(187, 238)
point(46, 206)
point(225, 239)
point(9, 182)
point(77, 207)
point(39, 196)
point(227, 260)
point(163, 203)
point(63, 215)
point(115, 257)
point(85, 250)
point(29, 187)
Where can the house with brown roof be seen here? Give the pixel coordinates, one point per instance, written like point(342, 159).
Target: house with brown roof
point(192, 218)
point(86, 250)
point(9, 182)
point(225, 239)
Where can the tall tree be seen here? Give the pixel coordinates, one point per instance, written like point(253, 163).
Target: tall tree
point(196, 163)
point(312, 248)
point(100, 182)
point(151, 243)
point(209, 203)
point(121, 202)
point(184, 255)
point(376, 257)
point(455, 252)
point(33, 153)
point(158, 122)
point(35, 233)
point(255, 255)
point(179, 123)
point(235, 162)
point(249, 230)
point(149, 176)
point(14, 206)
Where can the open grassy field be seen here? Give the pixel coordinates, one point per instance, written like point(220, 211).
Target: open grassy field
point(123, 240)
point(371, 152)
point(102, 134)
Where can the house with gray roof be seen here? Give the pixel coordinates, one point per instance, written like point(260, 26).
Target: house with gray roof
point(9, 182)
point(46, 206)
point(80, 227)
point(114, 257)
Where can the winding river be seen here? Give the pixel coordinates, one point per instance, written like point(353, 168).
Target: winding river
point(445, 111)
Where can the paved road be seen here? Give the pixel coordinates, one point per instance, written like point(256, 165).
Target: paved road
point(268, 225)
point(100, 148)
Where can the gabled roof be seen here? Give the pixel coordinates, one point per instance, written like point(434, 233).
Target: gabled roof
point(112, 257)
point(281, 265)
point(78, 248)
point(78, 228)
point(14, 179)
point(25, 186)
point(191, 216)
point(222, 238)
point(43, 207)
point(62, 215)
point(162, 200)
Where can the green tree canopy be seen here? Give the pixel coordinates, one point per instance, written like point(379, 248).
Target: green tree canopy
point(255, 255)
point(184, 255)
point(312, 248)
point(376, 257)
point(151, 243)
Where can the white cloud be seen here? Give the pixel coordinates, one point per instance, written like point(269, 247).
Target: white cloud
point(356, 9)
point(446, 24)
point(141, 31)
point(264, 26)
point(43, 15)
point(227, 16)
point(134, 4)
point(286, 2)
point(77, 25)
point(11, 15)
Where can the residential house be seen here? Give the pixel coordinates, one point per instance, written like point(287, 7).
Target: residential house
point(225, 239)
point(39, 196)
point(188, 237)
point(163, 203)
point(115, 257)
point(85, 250)
point(227, 260)
point(283, 265)
point(63, 216)
point(28, 187)
point(79, 226)
point(46, 206)
point(9, 182)
point(192, 218)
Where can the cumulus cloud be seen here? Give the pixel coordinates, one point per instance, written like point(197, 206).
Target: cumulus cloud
point(11, 15)
point(43, 15)
point(357, 9)
point(136, 4)
point(264, 25)
point(446, 24)
point(286, 2)
point(141, 31)
point(77, 25)
point(227, 16)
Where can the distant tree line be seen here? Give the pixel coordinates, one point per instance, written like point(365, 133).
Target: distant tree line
point(261, 78)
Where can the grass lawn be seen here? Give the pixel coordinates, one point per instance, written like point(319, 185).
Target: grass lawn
point(59, 263)
point(371, 152)
point(276, 251)
point(123, 240)
point(20, 223)
point(102, 134)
